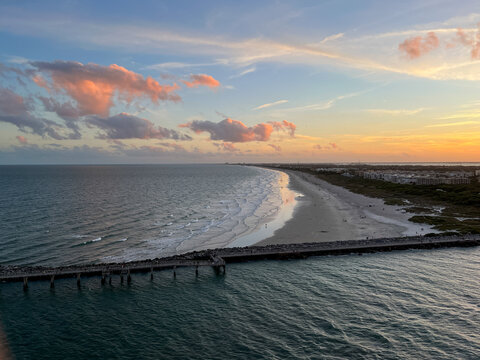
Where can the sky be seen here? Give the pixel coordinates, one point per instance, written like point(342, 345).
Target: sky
point(95, 82)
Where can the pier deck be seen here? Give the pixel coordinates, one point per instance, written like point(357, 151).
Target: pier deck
point(218, 258)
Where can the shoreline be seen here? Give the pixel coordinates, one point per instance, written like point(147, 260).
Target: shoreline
point(328, 212)
point(272, 223)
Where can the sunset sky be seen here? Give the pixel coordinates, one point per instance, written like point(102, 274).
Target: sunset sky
point(239, 81)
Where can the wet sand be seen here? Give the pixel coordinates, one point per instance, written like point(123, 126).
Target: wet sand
point(328, 212)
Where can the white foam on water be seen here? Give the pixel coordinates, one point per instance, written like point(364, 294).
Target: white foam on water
point(218, 219)
point(252, 204)
point(92, 241)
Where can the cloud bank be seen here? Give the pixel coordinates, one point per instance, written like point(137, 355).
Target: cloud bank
point(93, 86)
point(14, 110)
point(231, 130)
point(126, 126)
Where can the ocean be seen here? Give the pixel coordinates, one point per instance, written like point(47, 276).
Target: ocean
point(418, 304)
point(62, 215)
point(398, 305)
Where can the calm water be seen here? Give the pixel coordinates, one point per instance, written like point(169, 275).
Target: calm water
point(399, 305)
point(410, 304)
point(83, 214)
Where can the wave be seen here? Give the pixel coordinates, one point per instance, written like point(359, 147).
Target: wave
point(88, 242)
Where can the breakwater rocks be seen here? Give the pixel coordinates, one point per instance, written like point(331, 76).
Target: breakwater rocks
point(218, 258)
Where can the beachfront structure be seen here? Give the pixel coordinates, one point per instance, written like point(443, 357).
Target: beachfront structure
point(419, 177)
point(218, 258)
point(409, 177)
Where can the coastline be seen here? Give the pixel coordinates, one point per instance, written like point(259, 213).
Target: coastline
point(274, 222)
point(328, 212)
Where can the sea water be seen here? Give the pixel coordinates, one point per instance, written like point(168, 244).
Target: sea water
point(418, 304)
point(60, 215)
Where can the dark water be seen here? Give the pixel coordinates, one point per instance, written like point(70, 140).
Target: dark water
point(398, 305)
point(83, 214)
point(409, 305)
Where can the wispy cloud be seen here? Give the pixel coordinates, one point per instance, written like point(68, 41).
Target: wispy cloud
point(264, 106)
point(459, 123)
point(180, 65)
point(461, 116)
point(376, 52)
point(395, 111)
point(332, 38)
point(326, 104)
point(235, 52)
point(244, 72)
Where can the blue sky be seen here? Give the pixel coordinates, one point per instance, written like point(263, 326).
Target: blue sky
point(173, 82)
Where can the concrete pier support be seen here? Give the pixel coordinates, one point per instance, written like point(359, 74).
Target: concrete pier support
point(104, 278)
point(110, 279)
point(129, 278)
point(25, 283)
point(52, 281)
point(151, 273)
point(174, 272)
point(78, 280)
point(196, 271)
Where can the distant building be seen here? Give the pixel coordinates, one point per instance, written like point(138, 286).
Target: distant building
point(417, 177)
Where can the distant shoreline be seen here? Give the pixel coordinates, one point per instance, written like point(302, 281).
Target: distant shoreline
point(331, 213)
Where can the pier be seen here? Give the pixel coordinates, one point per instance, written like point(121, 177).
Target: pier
point(218, 258)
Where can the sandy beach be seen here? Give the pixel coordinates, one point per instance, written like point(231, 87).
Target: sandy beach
point(328, 212)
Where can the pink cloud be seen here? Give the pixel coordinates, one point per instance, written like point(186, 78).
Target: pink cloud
point(231, 130)
point(93, 86)
point(463, 38)
point(472, 41)
point(202, 80)
point(418, 46)
point(285, 125)
point(40, 81)
point(329, 146)
point(22, 139)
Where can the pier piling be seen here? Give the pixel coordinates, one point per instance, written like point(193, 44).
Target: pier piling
point(104, 278)
point(52, 283)
point(129, 277)
point(174, 272)
point(25, 283)
point(196, 270)
point(151, 273)
point(78, 280)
